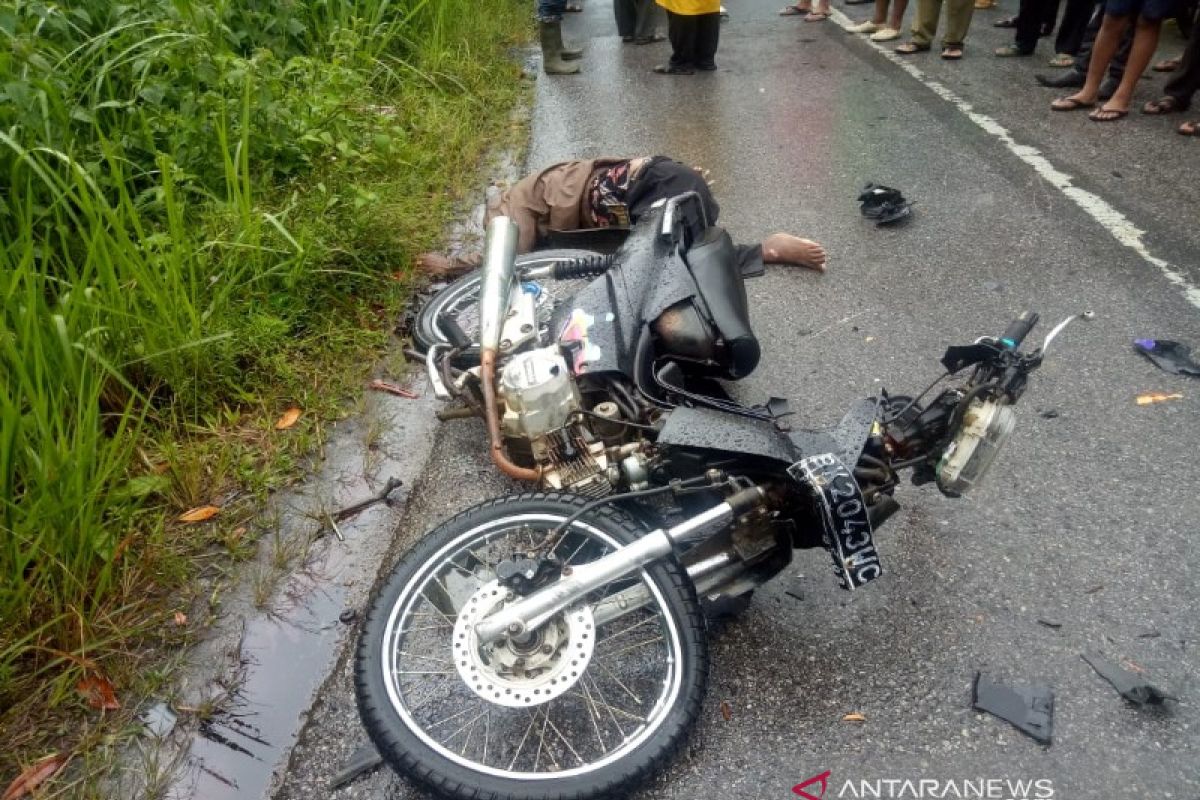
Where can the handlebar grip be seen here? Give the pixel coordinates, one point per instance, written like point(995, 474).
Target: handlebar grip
point(453, 331)
point(1018, 329)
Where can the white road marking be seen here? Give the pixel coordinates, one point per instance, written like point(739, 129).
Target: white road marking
point(1117, 224)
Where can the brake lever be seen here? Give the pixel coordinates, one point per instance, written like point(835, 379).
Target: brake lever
point(1086, 316)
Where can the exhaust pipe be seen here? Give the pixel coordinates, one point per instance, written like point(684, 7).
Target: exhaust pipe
point(500, 255)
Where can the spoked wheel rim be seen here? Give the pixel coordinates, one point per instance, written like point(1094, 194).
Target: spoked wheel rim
point(630, 684)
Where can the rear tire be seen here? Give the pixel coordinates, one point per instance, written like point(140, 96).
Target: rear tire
point(411, 746)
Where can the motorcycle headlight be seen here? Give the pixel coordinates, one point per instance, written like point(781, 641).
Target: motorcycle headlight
point(985, 428)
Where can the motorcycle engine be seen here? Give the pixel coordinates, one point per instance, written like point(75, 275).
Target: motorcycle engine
point(540, 401)
point(985, 428)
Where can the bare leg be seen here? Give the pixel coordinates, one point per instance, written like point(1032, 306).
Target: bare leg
point(783, 248)
point(1145, 40)
point(1107, 42)
point(897, 17)
point(881, 8)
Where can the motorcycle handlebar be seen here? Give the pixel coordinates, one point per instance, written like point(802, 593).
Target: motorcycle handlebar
point(1018, 329)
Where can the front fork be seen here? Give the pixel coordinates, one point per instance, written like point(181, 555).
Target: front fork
point(535, 610)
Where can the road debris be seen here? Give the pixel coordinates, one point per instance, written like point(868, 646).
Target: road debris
point(884, 204)
point(1050, 413)
point(1094, 589)
point(365, 759)
point(1157, 397)
point(1133, 688)
point(1030, 709)
point(854, 716)
point(159, 719)
point(1049, 624)
point(1174, 357)
point(199, 514)
point(726, 710)
point(34, 776)
point(354, 508)
point(391, 388)
point(348, 616)
point(288, 419)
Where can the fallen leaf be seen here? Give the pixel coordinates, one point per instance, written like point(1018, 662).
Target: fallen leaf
point(288, 419)
point(99, 692)
point(1157, 397)
point(34, 776)
point(180, 618)
point(854, 716)
point(199, 514)
point(726, 710)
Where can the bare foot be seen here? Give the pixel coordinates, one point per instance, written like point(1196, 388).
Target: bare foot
point(783, 248)
point(437, 265)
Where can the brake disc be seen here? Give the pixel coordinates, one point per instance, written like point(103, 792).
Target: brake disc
point(516, 673)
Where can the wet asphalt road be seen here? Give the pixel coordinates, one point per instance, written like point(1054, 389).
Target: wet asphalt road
point(1088, 521)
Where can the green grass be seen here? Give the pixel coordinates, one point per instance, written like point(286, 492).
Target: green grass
point(207, 213)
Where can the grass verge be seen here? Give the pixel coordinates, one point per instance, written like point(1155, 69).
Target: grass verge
point(207, 216)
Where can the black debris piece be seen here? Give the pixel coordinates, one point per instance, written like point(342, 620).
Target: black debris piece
point(1133, 687)
point(365, 759)
point(1050, 413)
point(1172, 356)
point(1029, 708)
point(1049, 624)
point(884, 204)
point(348, 616)
point(1149, 635)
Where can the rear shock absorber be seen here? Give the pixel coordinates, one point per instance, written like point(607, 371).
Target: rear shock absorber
point(583, 267)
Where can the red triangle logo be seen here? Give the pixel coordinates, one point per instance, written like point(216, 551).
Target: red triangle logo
point(822, 779)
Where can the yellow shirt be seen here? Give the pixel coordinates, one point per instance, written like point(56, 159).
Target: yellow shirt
point(691, 7)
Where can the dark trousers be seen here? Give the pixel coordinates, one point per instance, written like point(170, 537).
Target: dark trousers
point(1073, 26)
point(637, 19)
point(1116, 67)
point(1033, 16)
point(693, 38)
point(1186, 81)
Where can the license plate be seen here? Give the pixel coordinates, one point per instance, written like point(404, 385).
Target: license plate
point(847, 528)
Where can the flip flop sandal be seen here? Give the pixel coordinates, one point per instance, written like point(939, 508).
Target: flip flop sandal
point(1011, 50)
point(1167, 65)
point(1111, 115)
point(1168, 104)
point(908, 48)
point(952, 53)
point(658, 37)
point(1069, 104)
point(795, 10)
point(1007, 22)
point(1062, 60)
point(1189, 129)
point(667, 69)
point(817, 16)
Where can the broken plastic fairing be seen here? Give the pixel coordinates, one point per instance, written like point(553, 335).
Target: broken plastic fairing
point(986, 427)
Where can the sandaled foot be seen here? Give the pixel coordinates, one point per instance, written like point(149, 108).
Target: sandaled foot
point(1106, 114)
point(1011, 51)
point(795, 10)
point(1168, 104)
point(1190, 128)
point(885, 35)
point(865, 27)
point(658, 37)
point(1062, 60)
point(1005, 22)
point(908, 48)
point(783, 248)
point(984, 5)
point(669, 69)
point(1167, 65)
point(1072, 103)
point(817, 16)
point(952, 52)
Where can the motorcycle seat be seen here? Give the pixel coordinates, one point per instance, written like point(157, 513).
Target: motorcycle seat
point(722, 294)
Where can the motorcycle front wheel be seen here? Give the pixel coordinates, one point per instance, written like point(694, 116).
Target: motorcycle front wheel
point(582, 708)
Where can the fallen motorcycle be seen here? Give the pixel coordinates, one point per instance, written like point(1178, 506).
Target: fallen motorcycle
point(552, 644)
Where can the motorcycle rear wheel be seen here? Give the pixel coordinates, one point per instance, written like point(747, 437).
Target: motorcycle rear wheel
point(459, 300)
point(628, 713)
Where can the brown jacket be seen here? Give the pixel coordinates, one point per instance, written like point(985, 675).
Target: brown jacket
point(554, 199)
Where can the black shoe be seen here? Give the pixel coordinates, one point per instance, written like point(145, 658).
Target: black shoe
point(1072, 79)
point(1108, 87)
point(707, 67)
point(669, 69)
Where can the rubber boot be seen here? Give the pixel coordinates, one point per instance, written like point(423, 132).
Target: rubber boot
point(552, 60)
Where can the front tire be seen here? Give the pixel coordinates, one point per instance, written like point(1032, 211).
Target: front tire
point(619, 721)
